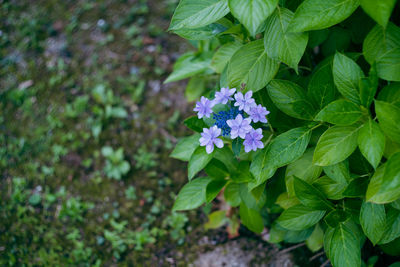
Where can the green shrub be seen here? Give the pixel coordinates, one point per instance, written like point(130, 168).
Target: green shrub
point(328, 72)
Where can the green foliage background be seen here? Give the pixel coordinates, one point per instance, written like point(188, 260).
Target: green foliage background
point(329, 72)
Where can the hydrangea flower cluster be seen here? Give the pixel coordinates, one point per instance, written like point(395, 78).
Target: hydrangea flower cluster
point(235, 122)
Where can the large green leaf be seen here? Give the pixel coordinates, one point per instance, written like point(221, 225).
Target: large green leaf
point(199, 159)
point(343, 246)
point(388, 117)
point(251, 218)
point(340, 112)
point(291, 99)
point(231, 194)
point(347, 74)
point(330, 188)
point(310, 196)
point(185, 147)
point(213, 189)
point(252, 13)
point(371, 142)
point(193, 14)
point(335, 145)
point(282, 45)
point(192, 195)
point(373, 220)
point(188, 65)
point(316, 239)
point(321, 88)
point(339, 172)
point(388, 65)
point(205, 32)
point(391, 94)
point(283, 150)
point(384, 186)
point(379, 40)
point(302, 168)
point(195, 88)
point(251, 65)
point(299, 217)
point(335, 217)
point(392, 228)
point(380, 10)
point(223, 55)
point(316, 14)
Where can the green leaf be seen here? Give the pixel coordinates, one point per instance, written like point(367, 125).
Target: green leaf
point(317, 15)
point(188, 65)
point(226, 156)
point(276, 233)
point(195, 88)
point(216, 219)
point(302, 168)
point(213, 189)
point(236, 146)
point(251, 218)
point(371, 142)
point(206, 32)
point(285, 201)
point(339, 172)
point(343, 246)
point(195, 124)
point(373, 220)
point(321, 88)
point(288, 147)
point(356, 188)
point(367, 90)
point(283, 150)
point(185, 147)
point(252, 13)
point(299, 217)
point(199, 159)
point(316, 239)
point(192, 195)
point(380, 40)
point(251, 65)
point(231, 194)
point(335, 145)
point(390, 94)
point(310, 196)
point(282, 45)
point(291, 99)
point(298, 236)
point(388, 117)
point(242, 174)
point(223, 55)
point(347, 74)
point(384, 186)
point(193, 14)
point(340, 112)
point(388, 65)
point(330, 188)
point(392, 228)
point(380, 10)
point(216, 169)
point(335, 217)
point(249, 199)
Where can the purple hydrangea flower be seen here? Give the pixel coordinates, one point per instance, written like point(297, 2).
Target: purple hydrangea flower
point(245, 102)
point(209, 139)
point(223, 96)
point(239, 126)
point(258, 113)
point(204, 107)
point(252, 140)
